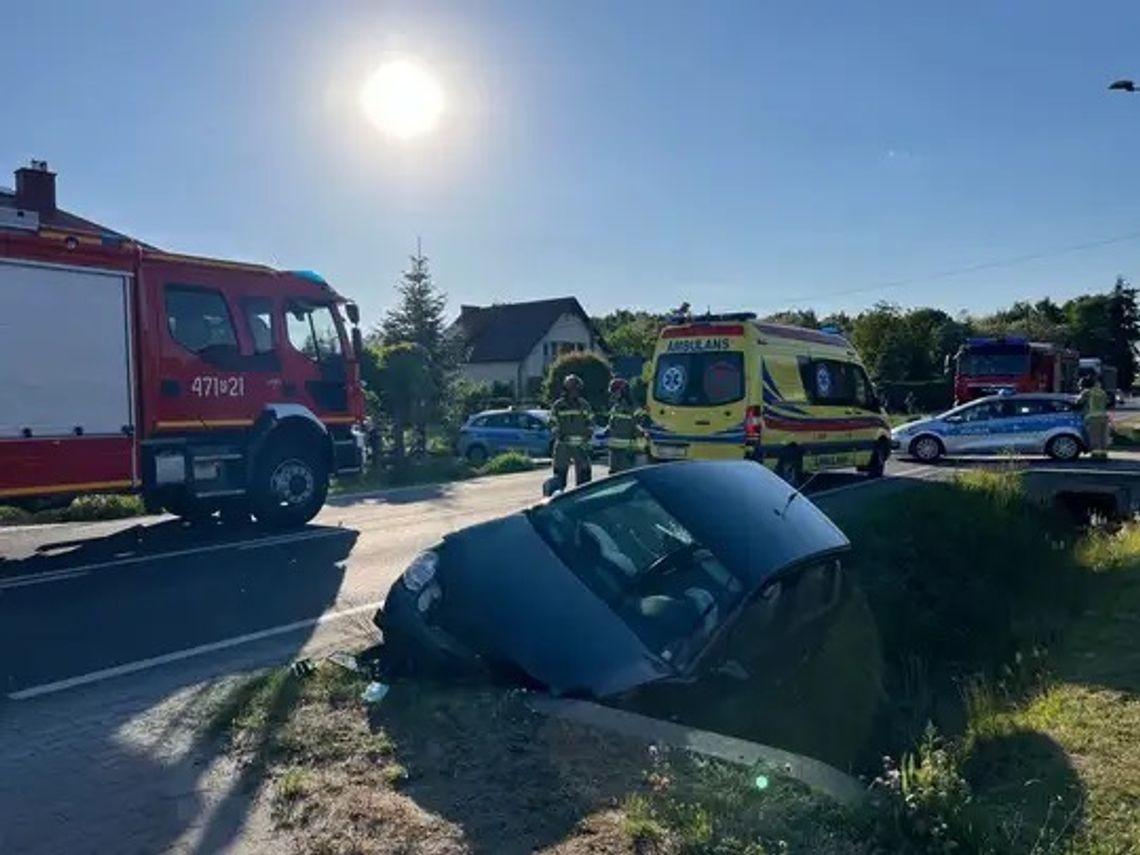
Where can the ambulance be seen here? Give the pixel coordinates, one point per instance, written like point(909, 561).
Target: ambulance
point(798, 400)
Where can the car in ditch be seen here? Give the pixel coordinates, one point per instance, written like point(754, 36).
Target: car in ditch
point(656, 576)
point(1028, 423)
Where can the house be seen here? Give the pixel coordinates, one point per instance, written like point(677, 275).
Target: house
point(32, 206)
point(514, 343)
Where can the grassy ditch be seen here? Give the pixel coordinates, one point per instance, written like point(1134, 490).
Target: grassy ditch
point(990, 656)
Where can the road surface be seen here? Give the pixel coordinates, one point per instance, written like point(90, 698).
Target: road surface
point(111, 635)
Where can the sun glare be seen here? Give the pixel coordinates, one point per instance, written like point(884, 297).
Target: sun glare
point(402, 99)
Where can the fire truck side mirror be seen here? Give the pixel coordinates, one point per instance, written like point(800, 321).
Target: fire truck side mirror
point(353, 312)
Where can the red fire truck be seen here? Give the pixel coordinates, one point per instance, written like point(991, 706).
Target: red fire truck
point(987, 366)
point(203, 385)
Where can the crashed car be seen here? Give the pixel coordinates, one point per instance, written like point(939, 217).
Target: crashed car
point(654, 576)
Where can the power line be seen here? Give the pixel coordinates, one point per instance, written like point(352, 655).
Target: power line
point(995, 264)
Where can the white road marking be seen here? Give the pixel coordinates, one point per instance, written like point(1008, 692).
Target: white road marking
point(41, 578)
point(918, 472)
point(179, 655)
point(84, 569)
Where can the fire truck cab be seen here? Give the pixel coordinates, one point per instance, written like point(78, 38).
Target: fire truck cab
point(203, 385)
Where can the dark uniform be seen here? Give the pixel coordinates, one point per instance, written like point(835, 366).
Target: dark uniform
point(573, 422)
point(625, 436)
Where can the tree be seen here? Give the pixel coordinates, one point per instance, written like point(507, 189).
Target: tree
point(594, 371)
point(1124, 327)
point(419, 318)
point(795, 318)
point(636, 337)
point(402, 382)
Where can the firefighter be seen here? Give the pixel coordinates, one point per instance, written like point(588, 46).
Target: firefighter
point(625, 433)
point(573, 428)
point(1094, 402)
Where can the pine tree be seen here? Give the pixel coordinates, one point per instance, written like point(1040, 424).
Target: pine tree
point(1124, 327)
point(418, 317)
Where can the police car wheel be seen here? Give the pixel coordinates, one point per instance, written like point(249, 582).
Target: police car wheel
point(476, 455)
point(926, 448)
point(1063, 447)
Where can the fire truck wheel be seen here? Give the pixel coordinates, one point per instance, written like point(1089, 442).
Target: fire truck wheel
point(289, 485)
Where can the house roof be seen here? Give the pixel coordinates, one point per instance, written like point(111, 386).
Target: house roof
point(508, 332)
point(57, 218)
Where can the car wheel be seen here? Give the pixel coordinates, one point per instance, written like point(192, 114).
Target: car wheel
point(878, 462)
point(927, 449)
point(476, 455)
point(790, 467)
point(1064, 447)
point(290, 484)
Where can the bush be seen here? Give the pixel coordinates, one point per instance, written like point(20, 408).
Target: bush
point(594, 371)
point(83, 509)
point(503, 464)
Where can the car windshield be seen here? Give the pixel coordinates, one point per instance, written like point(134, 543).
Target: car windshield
point(670, 589)
point(993, 364)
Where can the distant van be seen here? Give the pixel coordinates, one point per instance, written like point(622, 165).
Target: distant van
point(798, 400)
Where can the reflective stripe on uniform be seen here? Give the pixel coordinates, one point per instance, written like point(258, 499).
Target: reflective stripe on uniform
point(573, 440)
point(622, 443)
point(569, 413)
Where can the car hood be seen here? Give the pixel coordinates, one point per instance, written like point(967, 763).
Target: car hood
point(916, 425)
point(522, 603)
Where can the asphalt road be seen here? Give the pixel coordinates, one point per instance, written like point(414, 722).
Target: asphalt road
point(86, 603)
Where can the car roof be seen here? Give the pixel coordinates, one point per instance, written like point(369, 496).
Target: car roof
point(538, 414)
point(1021, 396)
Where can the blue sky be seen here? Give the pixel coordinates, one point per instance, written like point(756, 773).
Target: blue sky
point(635, 154)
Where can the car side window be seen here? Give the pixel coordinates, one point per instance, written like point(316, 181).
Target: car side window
point(864, 391)
point(1028, 408)
point(497, 420)
point(1059, 406)
point(534, 424)
point(978, 413)
point(828, 381)
point(198, 318)
point(259, 320)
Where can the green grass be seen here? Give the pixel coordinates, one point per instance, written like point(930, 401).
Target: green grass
point(433, 469)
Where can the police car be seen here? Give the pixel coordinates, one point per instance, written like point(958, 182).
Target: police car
point(1021, 423)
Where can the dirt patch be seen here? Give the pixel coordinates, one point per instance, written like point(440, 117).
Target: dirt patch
point(443, 770)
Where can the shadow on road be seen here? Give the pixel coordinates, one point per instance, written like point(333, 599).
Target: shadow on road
point(122, 764)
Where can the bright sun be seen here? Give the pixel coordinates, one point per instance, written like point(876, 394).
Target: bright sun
point(402, 99)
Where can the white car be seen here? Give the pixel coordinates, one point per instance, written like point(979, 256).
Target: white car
point(1025, 423)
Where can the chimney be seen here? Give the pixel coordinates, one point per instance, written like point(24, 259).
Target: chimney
point(35, 187)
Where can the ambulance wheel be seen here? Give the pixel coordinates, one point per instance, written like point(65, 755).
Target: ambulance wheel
point(878, 462)
point(290, 483)
point(790, 467)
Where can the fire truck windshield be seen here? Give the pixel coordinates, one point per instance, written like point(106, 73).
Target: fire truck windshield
point(993, 364)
